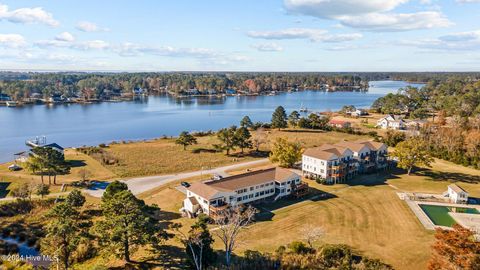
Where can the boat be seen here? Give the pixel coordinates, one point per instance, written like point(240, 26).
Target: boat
point(303, 109)
point(12, 104)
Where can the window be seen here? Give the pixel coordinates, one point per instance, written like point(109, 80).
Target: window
point(251, 188)
point(272, 190)
point(239, 199)
point(262, 193)
point(256, 194)
point(250, 196)
point(245, 197)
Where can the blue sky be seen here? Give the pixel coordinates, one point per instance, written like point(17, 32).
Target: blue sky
point(242, 35)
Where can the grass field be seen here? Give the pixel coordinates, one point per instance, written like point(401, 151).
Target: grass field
point(9, 180)
point(163, 156)
point(366, 214)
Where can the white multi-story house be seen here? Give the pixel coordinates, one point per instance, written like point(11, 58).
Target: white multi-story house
point(341, 161)
point(333, 163)
point(391, 122)
point(211, 196)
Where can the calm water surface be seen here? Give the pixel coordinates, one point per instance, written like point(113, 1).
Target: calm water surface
point(76, 125)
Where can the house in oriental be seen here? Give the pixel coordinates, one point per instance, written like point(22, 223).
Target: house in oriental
point(358, 113)
point(391, 122)
point(333, 163)
point(456, 194)
point(342, 161)
point(415, 124)
point(339, 123)
point(272, 184)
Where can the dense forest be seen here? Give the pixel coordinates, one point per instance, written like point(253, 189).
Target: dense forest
point(102, 86)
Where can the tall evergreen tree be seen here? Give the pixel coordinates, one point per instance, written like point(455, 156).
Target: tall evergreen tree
point(293, 119)
point(227, 138)
point(243, 138)
point(63, 233)
point(279, 118)
point(126, 225)
point(246, 122)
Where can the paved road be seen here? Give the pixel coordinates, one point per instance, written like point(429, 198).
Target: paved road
point(142, 184)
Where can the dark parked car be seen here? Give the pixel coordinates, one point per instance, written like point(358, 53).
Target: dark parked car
point(185, 184)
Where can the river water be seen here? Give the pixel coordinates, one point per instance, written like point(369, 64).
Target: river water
point(76, 125)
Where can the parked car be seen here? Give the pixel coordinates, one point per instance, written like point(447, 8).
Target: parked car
point(14, 167)
point(217, 177)
point(185, 184)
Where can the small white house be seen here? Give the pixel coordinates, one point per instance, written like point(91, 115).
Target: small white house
point(391, 122)
point(457, 194)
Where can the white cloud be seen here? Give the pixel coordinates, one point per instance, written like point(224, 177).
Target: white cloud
point(397, 22)
point(132, 49)
point(468, 1)
point(12, 40)
point(461, 41)
point(65, 36)
point(81, 45)
point(28, 15)
point(92, 44)
point(304, 33)
point(371, 15)
point(331, 9)
point(268, 47)
point(90, 27)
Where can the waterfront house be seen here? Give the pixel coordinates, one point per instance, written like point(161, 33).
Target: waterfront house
point(332, 163)
point(457, 194)
point(138, 91)
point(339, 123)
point(340, 162)
point(270, 184)
point(4, 97)
point(391, 122)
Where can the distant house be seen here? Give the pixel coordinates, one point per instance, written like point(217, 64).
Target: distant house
point(5, 97)
point(415, 124)
point(391, 122)
point(139, 91)
point(212, 196)
point(339, 123)
point(358, 113)
point(230, 92)
point(192, 91)
point(212, 91)
point(457, 194)
point(56, 98)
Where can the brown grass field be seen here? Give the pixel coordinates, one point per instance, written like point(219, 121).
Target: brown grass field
point(365, 214)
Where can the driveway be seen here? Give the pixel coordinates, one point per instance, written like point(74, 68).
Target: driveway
point(142, 184)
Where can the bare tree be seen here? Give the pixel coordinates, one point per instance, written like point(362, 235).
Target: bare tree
point(259, 139)
point(311, 234)
point(231, 221)
point(84, 174)
point(194, 241)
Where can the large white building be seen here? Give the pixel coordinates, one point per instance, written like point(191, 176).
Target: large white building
point(391, 122)
point(339, 162)
point(211, 196)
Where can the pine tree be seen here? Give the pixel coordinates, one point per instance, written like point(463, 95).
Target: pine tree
point(279, 118)
point(242, 138)
point(246, 122)
point(186, 139)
